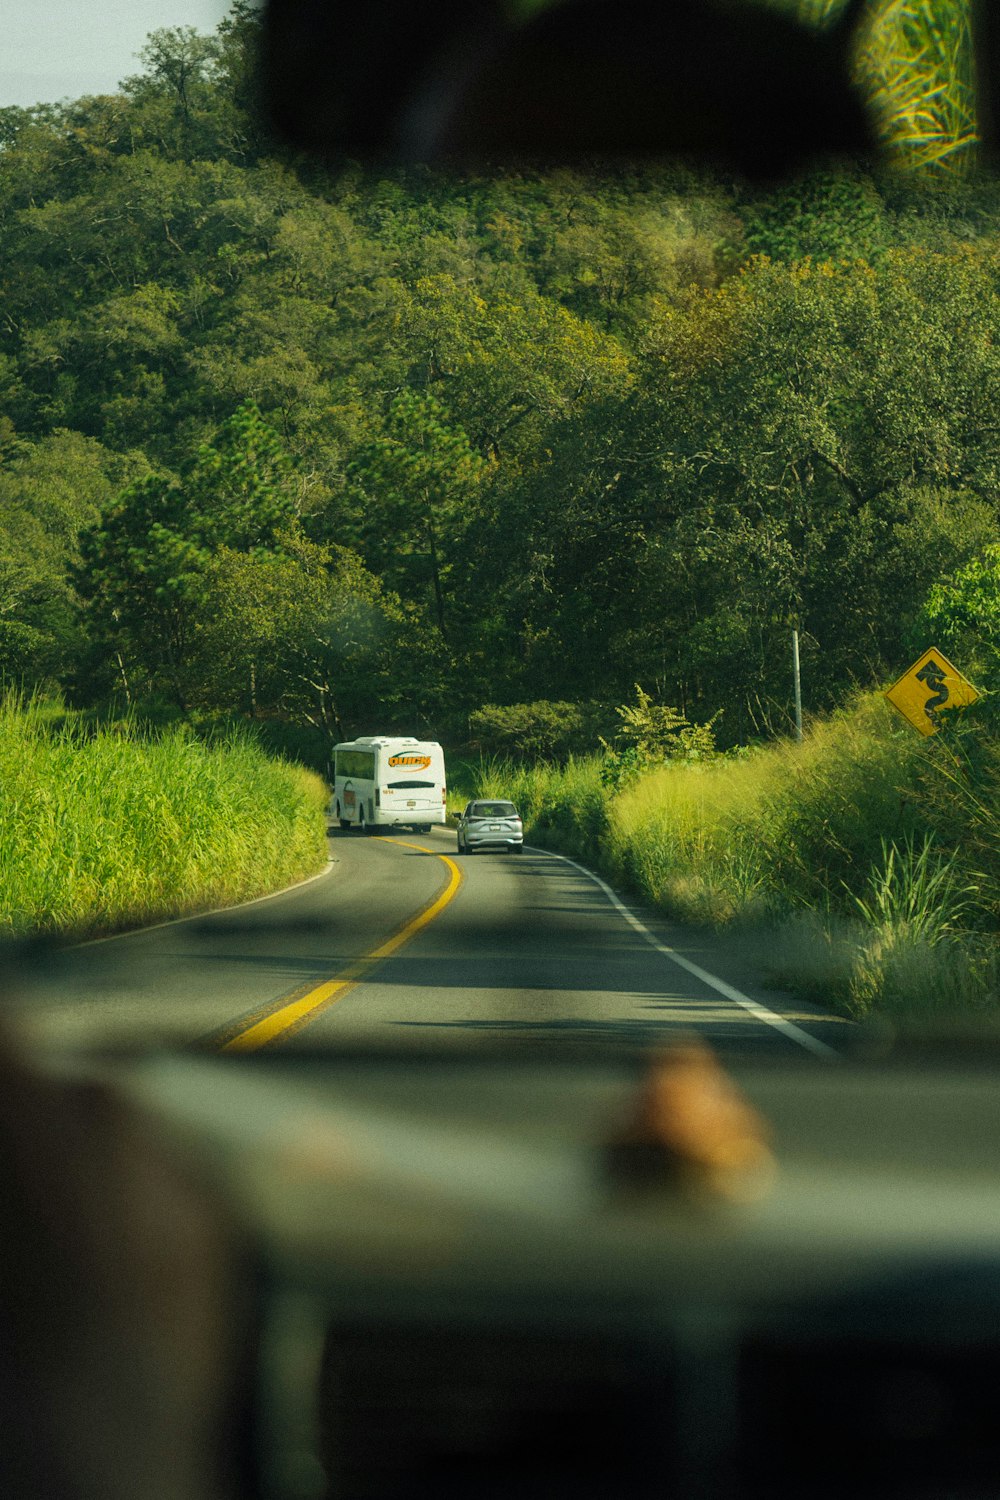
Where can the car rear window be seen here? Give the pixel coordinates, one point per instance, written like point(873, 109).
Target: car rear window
point(493, 810)
point(408, 786)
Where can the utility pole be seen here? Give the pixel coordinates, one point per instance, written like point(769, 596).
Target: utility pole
point(798, 685)
point(121, 668)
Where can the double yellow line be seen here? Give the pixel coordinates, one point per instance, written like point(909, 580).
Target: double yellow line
point(291, 1015)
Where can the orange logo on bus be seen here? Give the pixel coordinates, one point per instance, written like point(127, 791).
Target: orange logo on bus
point(412, 762)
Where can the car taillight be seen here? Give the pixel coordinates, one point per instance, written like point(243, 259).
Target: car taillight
point(444, 794)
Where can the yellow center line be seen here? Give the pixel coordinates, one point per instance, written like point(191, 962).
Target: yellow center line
point(300, 1012)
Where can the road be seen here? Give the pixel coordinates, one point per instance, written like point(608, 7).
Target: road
point(402, 939)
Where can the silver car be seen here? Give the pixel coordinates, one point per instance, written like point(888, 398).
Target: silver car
point(488, 824)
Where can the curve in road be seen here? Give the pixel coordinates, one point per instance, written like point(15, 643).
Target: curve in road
point(524, 950)
point(290, 1014)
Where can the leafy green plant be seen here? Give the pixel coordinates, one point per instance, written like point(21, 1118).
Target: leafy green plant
point(659, 732)
point(620, 768)
point(962, 613)
point(649, 734)
point(915, 889)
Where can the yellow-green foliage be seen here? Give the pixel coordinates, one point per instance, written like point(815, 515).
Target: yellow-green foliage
point(110, 829)
point(787, 825)
point(838, 848)
point(563, 807)
point(914, 63)
point(868, 857)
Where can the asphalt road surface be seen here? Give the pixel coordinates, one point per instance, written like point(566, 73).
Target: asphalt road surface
point(403, 939)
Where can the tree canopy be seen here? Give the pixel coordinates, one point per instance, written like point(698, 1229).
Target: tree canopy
point(384, 450)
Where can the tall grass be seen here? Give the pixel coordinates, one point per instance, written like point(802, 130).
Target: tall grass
point(785, 828)
point(106, 829)
point(870, 859)
point(914, 63)
point(563, 806)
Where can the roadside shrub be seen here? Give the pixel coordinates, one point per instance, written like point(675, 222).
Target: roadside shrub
point(545, 730)
point(659, 732)
point(888, 971)
point(650, 734)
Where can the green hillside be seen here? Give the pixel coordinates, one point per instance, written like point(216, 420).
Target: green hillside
point(322, 449)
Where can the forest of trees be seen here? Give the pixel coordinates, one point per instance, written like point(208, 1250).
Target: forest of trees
point(374, 451)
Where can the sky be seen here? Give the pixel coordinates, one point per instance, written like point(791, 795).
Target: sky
point(60, 49)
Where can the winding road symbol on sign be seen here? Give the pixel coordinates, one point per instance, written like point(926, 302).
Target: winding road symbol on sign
point(929, 686)
point(936, 679)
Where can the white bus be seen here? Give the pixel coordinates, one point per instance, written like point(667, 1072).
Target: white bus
point(380, 781)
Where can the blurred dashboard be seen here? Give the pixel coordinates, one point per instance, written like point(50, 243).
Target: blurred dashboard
point(460, 1297)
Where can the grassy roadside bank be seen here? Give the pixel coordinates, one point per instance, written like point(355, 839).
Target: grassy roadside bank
point(107, 829)
point(866, 860)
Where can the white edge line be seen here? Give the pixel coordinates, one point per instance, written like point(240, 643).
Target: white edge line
point(215, 911)
point(760, 1012)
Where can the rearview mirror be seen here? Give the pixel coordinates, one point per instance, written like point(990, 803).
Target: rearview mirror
point(452, 81)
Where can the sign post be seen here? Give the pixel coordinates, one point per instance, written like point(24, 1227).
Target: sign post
point(930, 685)
point(798, 685)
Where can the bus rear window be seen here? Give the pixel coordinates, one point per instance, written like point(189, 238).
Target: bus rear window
point(409, 786)
point(357, 763)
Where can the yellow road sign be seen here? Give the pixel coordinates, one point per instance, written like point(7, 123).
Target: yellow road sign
point(930, 686)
